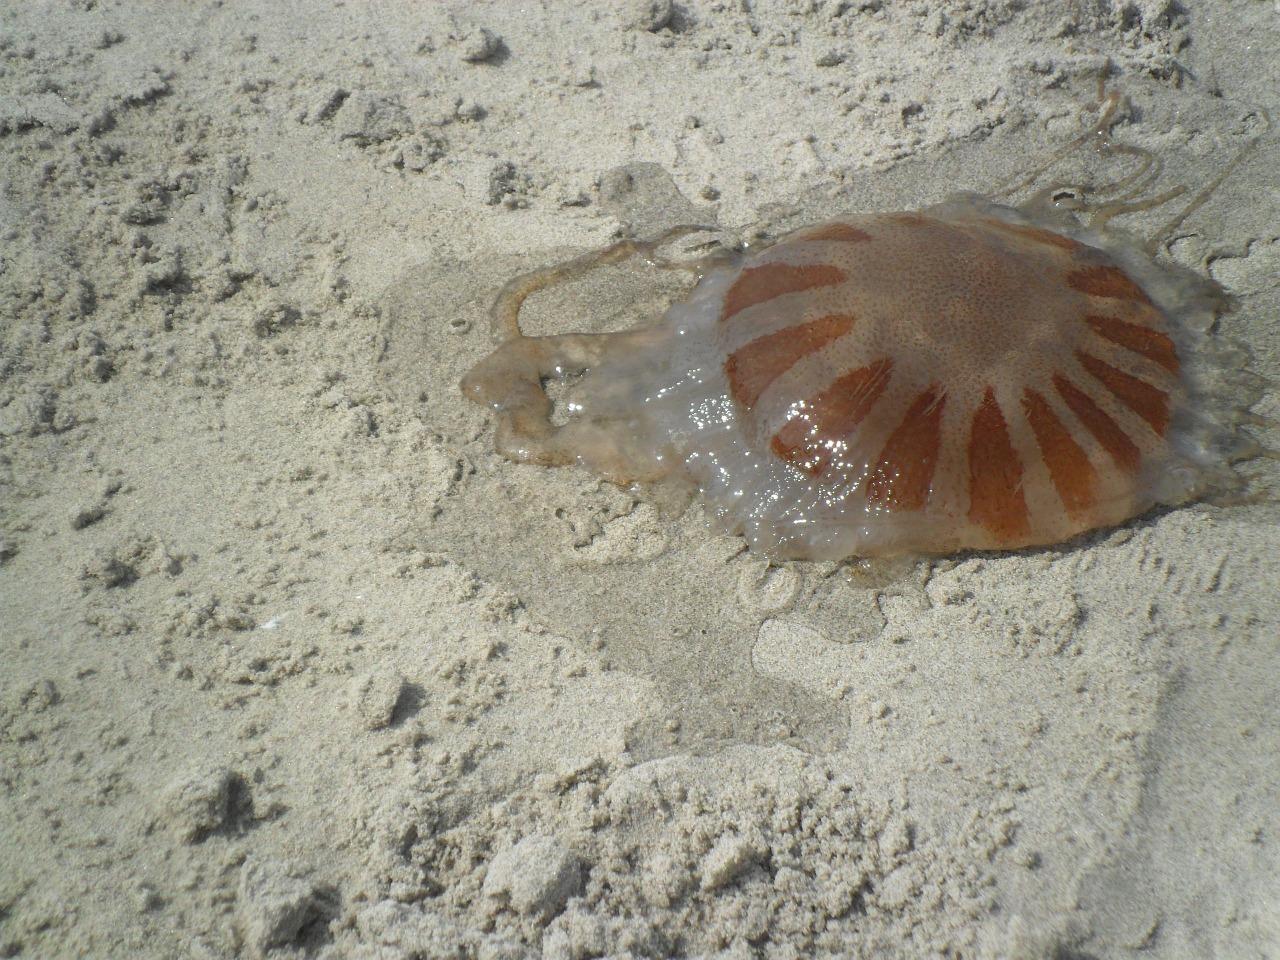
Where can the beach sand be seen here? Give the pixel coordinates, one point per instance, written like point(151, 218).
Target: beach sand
point(292, 664)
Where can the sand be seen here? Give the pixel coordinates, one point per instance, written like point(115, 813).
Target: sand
point(292, 664)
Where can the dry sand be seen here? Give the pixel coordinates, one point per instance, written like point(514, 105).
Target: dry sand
point(292, 664)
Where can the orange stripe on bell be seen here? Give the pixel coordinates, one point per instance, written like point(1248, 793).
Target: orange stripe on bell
point(753, 367)
point(1149, 402)
point(995, 475)
point(1107, 432)
point(1141, 340)
point(903, 478)
point(1105, 281)
point(760, 284)
point(807, 441)
point(1070, 469)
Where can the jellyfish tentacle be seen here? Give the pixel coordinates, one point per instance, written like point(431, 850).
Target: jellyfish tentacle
point(511, 379)
point(1107, 201)
point(1164, 233)
point(504, 316)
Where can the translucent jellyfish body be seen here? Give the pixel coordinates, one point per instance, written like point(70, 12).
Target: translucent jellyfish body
point(961, 377)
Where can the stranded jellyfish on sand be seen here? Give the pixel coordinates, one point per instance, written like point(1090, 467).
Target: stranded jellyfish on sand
point(967, 376)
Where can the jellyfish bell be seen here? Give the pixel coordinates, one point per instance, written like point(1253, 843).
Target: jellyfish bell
point(972, 375)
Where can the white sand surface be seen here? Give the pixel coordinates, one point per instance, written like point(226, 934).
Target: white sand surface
point(292, 664)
